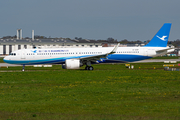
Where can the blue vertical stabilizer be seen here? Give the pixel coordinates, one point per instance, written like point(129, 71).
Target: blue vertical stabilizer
point(161, 37)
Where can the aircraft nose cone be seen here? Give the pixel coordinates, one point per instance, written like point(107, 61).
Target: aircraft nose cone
point(5, 59)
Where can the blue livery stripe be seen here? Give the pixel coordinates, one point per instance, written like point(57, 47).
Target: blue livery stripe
point(114, 58)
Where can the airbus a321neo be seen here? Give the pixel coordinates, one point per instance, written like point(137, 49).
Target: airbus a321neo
point(74, 58)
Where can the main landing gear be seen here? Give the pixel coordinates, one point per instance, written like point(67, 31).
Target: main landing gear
point(89, 68)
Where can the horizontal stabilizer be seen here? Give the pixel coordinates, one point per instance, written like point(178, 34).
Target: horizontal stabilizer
point(164, 50)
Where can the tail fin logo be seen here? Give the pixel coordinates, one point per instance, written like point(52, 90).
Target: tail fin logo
point(162, 38)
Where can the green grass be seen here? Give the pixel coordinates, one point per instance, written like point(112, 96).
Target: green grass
point(1, 60)
point(108, 92)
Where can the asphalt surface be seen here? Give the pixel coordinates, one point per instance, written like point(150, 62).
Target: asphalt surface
point(156, 60)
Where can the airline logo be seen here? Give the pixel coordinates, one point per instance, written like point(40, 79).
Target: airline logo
point(34, 51)
point(162, 38)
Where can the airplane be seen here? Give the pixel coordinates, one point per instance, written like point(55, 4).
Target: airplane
point(74, 58)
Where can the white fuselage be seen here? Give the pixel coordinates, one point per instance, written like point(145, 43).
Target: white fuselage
point(59, 55)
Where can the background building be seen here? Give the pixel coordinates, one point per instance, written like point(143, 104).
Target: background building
point(7, 45)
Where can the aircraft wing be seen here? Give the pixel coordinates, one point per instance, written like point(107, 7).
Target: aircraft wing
point(97, 57)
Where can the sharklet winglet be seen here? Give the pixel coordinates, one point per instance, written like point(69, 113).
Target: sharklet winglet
point(115, 49)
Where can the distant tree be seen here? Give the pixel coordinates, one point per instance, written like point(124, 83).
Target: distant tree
point(78, 38)
point(27, 38)
point(9, 37)
point(68, 38)
point(139, 42)
point(124, 41)
point(39, 37)
point(102, 41)
point(175, 43)
point(147, 41)
point(112, 40)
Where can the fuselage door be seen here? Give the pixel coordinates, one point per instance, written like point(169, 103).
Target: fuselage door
point(145, 52)
point(23, 54)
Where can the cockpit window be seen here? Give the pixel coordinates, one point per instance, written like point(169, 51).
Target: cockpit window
point(13, 54)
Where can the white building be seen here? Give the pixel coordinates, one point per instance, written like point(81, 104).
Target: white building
point(9, 45)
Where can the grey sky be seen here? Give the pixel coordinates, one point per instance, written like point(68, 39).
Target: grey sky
point(90, 19)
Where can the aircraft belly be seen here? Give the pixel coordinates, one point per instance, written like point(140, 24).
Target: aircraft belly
point(125, 58)
point(38, 61)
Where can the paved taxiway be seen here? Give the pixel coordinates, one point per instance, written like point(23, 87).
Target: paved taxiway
point(156, 60)
point(142, 61)
point(6, 64)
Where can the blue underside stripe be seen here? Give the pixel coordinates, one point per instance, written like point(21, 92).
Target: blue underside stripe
point(114, 58)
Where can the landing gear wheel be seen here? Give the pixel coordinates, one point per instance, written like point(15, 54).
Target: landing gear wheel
point(86, 68)
point(23, 69)
point(90, 68)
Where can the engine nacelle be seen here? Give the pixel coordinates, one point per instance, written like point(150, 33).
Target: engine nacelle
point(71, 64)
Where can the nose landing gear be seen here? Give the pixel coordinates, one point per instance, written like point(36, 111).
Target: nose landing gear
point(23, 69)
